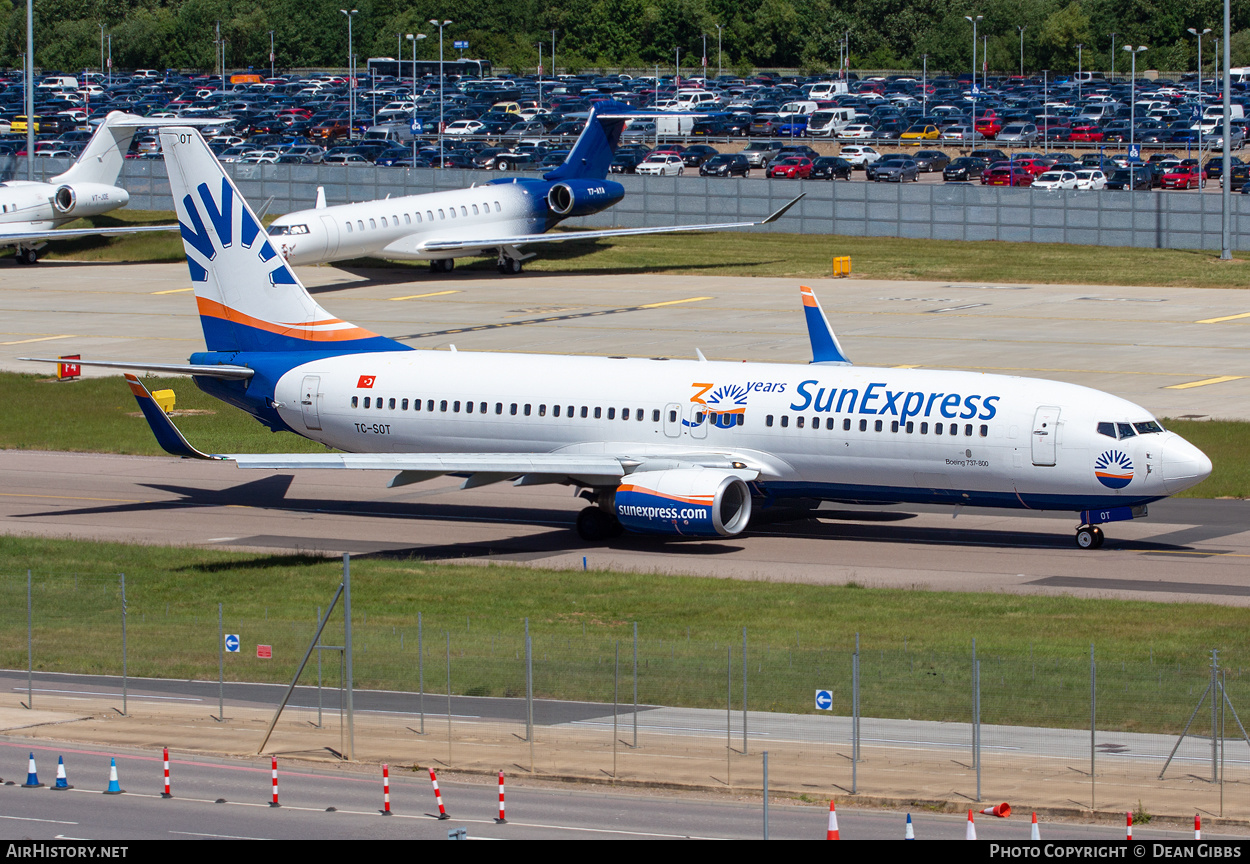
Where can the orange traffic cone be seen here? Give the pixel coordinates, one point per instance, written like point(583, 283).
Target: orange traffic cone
point(832, 833)
point(1130, 826)
point(1002, 811)
point(1034, 834)
point(971, 833)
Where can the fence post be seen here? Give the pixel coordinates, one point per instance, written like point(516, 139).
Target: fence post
point(635, 685)
point(318, 649)
point(616, 698)
point(529, 695)
point(349, 750)
point(744, 693)
point(1093, 713)
point(975, 688)
point(123, 575)
point(30, 649)
point(855, 718)
point(977, 674)
point(420, 674)
point(729, 693)
point(765, 794)
point(447, 633)
point(221, 667)
point(1215, 663)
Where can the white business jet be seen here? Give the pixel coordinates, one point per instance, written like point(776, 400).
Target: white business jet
point(31, 213)
point(679, 448)
point(500, 216)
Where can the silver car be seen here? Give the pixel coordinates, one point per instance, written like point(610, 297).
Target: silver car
point(894, 169)
point(1017, 133)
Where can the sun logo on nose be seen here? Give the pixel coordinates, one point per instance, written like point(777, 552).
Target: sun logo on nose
point(1114, 469)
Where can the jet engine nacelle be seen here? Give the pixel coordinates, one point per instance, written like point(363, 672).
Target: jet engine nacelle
point(87, 199)
point(583, 197)
point(689, 502)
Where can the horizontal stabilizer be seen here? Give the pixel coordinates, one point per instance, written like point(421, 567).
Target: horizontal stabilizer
point(15, 237)
point(228, 372)
point(825, 347)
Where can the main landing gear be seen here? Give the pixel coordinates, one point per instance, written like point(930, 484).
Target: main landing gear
point(442, 265)
point(509, 266)
point(26, 255)
point(595, 524)
point(1089, 537)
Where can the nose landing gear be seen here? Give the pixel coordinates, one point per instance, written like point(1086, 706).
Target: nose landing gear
point(1089, 537)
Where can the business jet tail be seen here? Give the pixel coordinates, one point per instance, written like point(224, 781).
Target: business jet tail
point(249, 299)
point(592, 153)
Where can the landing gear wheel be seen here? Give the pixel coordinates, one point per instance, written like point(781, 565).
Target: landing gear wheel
point(594, 525)
point(512, 266)
point(1089, 537)
point(27, 256)
point(442, 265)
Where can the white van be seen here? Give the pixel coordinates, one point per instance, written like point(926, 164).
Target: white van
point(797, 109)
point(697, 99)
point(59, 82)
point(827, 89)
point(829, 122)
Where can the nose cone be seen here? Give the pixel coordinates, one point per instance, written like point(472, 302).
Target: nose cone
point(1184, 465)
point(122, 196)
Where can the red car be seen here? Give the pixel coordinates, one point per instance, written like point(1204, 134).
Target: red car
point(791, 166)
point(1185, 177)
point(1086, 132)
point(1033, 166)
point(988, 124)
point(1005, 174)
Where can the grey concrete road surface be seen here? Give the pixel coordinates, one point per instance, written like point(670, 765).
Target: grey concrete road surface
point(1187, 549)
point(1176, 351)
point(228, 799)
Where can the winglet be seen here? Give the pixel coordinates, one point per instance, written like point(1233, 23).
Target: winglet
point(321, 198)
point(167, 434)
point(825, 347)
point(782, 211)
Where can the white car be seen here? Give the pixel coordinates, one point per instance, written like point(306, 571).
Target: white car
point(261, 157)
point(1056, 180)
point(662, 164)
point(1091, 179)
point(465, 127)
point(859, 155)
point(858, 130)
point(395, 110)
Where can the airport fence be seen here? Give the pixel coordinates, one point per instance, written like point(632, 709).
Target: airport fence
point(607, 701)
point(1172, 220)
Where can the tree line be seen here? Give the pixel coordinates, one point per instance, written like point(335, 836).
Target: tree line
point(741, 35)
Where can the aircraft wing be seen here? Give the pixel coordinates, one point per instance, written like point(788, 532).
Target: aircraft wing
point(481, 468)
point(12, 239)
point(222, 370)
point(524, 239)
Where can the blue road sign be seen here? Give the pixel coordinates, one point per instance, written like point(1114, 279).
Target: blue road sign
point(460, 45)
point(824, 700)
point(1134, 152)
point(232, 643)
point(1195, 112)
point(976, 90)
point(416, 126)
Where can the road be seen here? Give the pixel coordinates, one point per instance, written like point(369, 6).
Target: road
point(228, 799)
point(1187, 550)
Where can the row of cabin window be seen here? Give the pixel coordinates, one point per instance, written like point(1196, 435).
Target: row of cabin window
point(526, 410)
point(879, 425)
point(429, 216)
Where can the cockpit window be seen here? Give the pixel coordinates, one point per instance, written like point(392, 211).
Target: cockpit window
point(282, 230)
point(1147, 427)
point(1126, 430)
point(1107, 429)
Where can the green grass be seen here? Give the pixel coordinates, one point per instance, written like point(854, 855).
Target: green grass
point(789, 255)
point(916, 645)
point(99, 415)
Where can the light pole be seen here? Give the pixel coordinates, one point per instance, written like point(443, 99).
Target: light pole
point(704, 59)
point(101, 49)
point(677, 78)
point(1045, 111)
point(1079, 49)
point(719, 56)
point(1132, 93)
point(540, 74)
point(1200, 35)
point(441, 85)
point(30, 90)
point(1226, 225)
point(1022, 28)
point(414, 38)
point(974, 73)
point(351, 82)
point(272, 56)
point(110, 60)
point(553, 54)
point(924, 86)
point(1113, 35)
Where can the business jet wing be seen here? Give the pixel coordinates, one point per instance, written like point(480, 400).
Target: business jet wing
point(436, 245)
point(481, 468)
point(20, 237)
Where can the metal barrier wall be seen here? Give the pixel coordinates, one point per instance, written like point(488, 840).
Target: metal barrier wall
point(1154, 220)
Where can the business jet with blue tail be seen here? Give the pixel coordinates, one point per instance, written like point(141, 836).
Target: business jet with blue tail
point(681, 448)
point(31, 212)
point(497, 217)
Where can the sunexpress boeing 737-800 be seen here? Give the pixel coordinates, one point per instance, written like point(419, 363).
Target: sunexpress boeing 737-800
point(500, 216)
point(681, 448)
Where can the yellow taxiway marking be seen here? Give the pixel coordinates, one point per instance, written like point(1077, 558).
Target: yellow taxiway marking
point(1204, 382)
point(1225, 318)
point(419, 296)
point(173, 291)
point(38, 339)
point(907, 366)
point(674, 302)
point(1196, 552)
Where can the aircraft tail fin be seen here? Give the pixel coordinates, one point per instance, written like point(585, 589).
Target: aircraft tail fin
point(825, 347)
point(249, 299)
point(101, 160)
point(593, 151)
